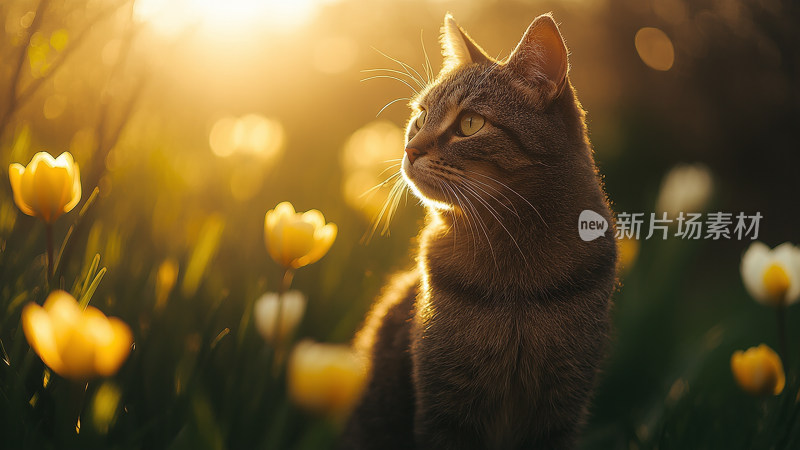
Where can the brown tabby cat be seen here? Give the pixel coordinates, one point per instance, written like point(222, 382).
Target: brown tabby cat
point(495, 338)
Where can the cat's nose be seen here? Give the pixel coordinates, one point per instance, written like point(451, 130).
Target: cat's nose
point(413, 154)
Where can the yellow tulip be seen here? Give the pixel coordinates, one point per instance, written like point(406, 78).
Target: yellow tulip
point(758, 371)
point(325, 378)
point(297, 239)
point(47, 187)
point(628, 251)
point(75, 343)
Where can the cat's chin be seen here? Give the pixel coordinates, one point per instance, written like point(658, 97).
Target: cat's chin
point(423, 186)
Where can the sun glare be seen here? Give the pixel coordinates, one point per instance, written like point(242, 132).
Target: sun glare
point(171, 17)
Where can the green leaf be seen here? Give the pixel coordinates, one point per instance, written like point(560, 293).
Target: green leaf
point(90, 274)
point(92, 287)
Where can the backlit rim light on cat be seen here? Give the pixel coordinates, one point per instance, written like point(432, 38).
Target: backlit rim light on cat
point(435, 204)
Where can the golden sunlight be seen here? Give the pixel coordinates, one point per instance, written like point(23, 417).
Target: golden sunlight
point(223, 16)
point(248, 135)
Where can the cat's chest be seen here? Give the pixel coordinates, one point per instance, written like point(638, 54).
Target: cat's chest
point(483, 337)
point(475, 354)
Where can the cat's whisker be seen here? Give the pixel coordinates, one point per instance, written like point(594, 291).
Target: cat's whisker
point(443, 190)
point(466, 218)
point(395, 203)
point(512, 191)
point(496, 216)
point(376, 221)
point(402, 189)
point(399, 72)
point(380, 217)
point(488, 72)
point(481, 226)
point(508, 204)
point(446, 191)
point(393, 166)
point(482, 201)
point(510, 208)
point(391, 103)
point(427, 65)
point(405, 66)
point(379, 185)
point(374, 77)
point(472, 220)
point(469, 213)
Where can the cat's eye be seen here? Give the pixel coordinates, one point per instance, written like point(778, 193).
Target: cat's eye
point(470, 123)
point(420, 120)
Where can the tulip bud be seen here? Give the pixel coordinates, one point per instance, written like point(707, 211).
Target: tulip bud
point(758, 371)
point(325, 378)
point(47, 187)
point(76, 343)
point(297, 239)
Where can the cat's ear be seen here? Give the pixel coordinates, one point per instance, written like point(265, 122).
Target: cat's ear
point(541, 55)
point(457, 47)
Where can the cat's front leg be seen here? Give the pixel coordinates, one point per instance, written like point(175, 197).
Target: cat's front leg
point(445, 412)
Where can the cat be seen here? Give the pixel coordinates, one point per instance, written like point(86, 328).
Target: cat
point(494, 339)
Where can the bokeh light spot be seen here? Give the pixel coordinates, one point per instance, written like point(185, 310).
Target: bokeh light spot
point(59, 39)
point(221, 137)
point(655, 48)
point(252, 134)
point(27, 19)
point(370, 156)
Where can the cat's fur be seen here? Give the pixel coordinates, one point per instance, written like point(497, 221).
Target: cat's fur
point(494, 339)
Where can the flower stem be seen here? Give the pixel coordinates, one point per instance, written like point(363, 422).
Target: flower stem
point(286, 282)
point(780, 313)
point(49, 232)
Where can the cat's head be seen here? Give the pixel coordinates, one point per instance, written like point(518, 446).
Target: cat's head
point(495, 129)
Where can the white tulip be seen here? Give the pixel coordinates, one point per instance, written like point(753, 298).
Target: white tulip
point(772, 276)
point(686, 188)
point(265, 313)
